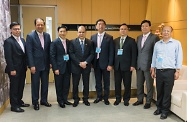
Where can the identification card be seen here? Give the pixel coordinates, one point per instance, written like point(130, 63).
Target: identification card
point(98, 50)
point(66, 57)
point(160, 59)
point(120, 52)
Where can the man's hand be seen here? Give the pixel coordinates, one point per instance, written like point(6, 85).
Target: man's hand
point(109, 68)
point(132, 68)
point(176, 75)
point(13, 73)
point(33, 70)
point(57, 72)
point(153, 74)
point(83, 64)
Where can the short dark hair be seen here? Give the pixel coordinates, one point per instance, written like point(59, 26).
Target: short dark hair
point(146, 21)
point(62, 26)
point(13, 24)
point(38, 19)
point(125, 25)
point(100, 20)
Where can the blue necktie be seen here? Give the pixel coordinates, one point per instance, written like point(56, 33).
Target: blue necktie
point(82, 47)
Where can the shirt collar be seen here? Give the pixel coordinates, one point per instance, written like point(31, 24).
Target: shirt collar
point(62, 39)
point(147, 34)
point(170, 40)
point(123, 38)
point(39, 33)
point(15, 37)
point(81, 40)
point(102, 34)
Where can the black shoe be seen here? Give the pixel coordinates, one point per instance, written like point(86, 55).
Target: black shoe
point(68, 103)
point(75, 104)
point(17, 109)
point(157, 112)
point(62, 105)
point(147, 105)
point(36, 107)
point(24, 105)
point(137, 103)
point(86, 103)
point(116, 102)
point(106, 102)
point(163, 116)
point(46, 104)
point(126, 103)
point(97, 100)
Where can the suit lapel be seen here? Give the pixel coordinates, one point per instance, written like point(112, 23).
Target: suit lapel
point(85, 45)
point(147, 40)
point(61, 45)
point(17, 45)
point(38, 39)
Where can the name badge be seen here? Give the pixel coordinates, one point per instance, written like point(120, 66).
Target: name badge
point(66, 57)
point(98, 50)
point(120, 52)
point(160, 59)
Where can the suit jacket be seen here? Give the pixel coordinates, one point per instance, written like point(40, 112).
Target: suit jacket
point(144, 58)
point(129, 56)
point(77, 56)
point(57, 53)
point(37, 56)
point(14, 55)
point(106, 56)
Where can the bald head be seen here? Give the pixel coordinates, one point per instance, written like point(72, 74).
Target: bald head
point(81, 32)
point(167, 32)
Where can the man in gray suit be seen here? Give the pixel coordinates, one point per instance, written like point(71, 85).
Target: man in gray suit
point(145, 45)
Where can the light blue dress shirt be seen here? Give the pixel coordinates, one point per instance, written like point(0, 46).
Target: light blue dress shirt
point(167, 55)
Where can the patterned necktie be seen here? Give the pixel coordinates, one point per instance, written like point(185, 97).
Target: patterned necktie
point(20, 43)
point(82, 47)
point(99, 44)
point(121, 43)
point(143, 41)
point(41, 40)
point(64, 44)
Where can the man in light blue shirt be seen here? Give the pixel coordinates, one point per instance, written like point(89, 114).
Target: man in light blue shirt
point(167, 62)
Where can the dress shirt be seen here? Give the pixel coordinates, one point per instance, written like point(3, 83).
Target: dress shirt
point(63, 43)
point(18, 39)
point(167, 55)
point(102, 35)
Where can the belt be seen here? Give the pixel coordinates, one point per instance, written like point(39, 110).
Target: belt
point(163, 70)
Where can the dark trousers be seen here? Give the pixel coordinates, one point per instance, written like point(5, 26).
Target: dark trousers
point(62, 84)
point(164, 86)
point(76, 79)
point(126, 77)
point(105, 75)
point(17, 84)
point(35, 86)
point(144, 76)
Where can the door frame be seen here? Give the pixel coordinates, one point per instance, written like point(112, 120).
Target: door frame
point(20, 9)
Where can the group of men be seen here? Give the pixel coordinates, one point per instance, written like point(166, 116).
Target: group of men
point(101, 52)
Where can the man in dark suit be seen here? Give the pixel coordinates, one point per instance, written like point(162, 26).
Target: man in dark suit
point(59, 55)
point(103, 60)
point(124, 64)
point(81, 53)
point(145, 45)
point(14, 49)
point(38, 47)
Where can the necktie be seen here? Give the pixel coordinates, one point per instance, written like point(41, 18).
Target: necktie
point(64, 44)
point(143, 41)
point(20, 43)
point(82, 47)
point(99, 44)
point(41, 40)
point(121, 43)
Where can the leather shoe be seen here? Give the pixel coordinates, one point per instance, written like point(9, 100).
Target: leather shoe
point(86, 103)
point(116, 102)
point(75, 104)
point(62, 105)
point(36, 107)
point(157, 112)
point(126, 103)
point(97, 100)
point(106, 102)
point(147, 105)
point(163, 116)
point(17, 109)
point(46, 104)
point(24, 105)
point(137, 103)
point(68, 103)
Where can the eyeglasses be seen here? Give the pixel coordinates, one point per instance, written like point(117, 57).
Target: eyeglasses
point(16, 29)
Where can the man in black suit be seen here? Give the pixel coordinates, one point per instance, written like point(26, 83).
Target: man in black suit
point(59, 55)
point(81, 54)
point(103, 60)
point(14, 49)
point(124, 64)
point(38, 47)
